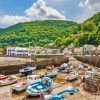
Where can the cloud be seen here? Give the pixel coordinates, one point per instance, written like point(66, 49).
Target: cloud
point(91, 4)
point(83, 16)
point(41, 11)
point(8, 20)
point(89, 7)
point(38, 11)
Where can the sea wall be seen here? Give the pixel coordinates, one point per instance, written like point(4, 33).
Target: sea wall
point(53, 61)
point(92, 60)
point(13, 69)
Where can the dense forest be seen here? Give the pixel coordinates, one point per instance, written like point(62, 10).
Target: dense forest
point(52, 33)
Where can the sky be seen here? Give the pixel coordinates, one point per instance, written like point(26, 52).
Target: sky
point(15, 11)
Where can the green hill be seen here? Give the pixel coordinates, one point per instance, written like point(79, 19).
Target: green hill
point(52, 33)
point(90, 31)
point(38, 33)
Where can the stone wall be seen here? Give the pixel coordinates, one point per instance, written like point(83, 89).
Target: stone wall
point(92, 60)
point(53, 61)
point(13, 69)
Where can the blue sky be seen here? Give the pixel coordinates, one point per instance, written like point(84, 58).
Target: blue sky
point(15, 11)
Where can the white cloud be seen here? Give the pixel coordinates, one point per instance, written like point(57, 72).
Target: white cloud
point(91, 4)
point(40, 10)
point(81, 5)
point(83, 16)
point(89, 7)
point(8, 20)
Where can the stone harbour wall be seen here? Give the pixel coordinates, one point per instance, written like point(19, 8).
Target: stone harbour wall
point(92, 60)
point(13, 69)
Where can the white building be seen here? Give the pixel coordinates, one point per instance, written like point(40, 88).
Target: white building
point(52, 51)
point(17, 51)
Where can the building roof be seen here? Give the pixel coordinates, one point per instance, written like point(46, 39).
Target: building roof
point(18, 48)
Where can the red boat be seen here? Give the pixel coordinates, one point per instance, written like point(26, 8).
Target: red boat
point(7, 80)
point(2, 77)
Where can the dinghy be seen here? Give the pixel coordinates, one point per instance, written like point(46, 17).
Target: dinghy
point(63, 94)
point(7, 80)
point(19, 87)
point(72, 77)
point(52, 75)
point(44, 86)
point(26, 70)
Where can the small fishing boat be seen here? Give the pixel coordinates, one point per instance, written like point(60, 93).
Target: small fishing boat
point(68, 69)
point(26, 70)
point(44, 86)
point(60, 68)
point(52, 75)
point(63, 94)
point(63, 66)
point(81, 66)
point(2, 77)
point(19, 87)
point(49, 67)
point(31, 79)
point(7, 80)
point(72, 77)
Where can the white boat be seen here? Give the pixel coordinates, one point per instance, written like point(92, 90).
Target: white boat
point(19, 87)
point(33, 79)
point(7, 80)
point(81, 66)
point(72, 76)
point(26, 70)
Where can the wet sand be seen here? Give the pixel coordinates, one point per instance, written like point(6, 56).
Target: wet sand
point(59, 85)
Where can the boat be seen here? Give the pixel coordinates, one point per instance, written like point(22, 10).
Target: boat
point(44, 86)
point(52, 75)
point(60, 68)
point(81, 66)
point(63, 94)
point(68, 69)
point(2, 77)
point(7, 80)
point(19, 87)
point(72, 76)
point(64, 66)
point(26, 70)
point(31, 79)
point(49, 67)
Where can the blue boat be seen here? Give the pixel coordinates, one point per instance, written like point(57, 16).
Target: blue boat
point(61, 96)
point(26, 70)
point(52, 75)
point(40, 87)
point(60, 68)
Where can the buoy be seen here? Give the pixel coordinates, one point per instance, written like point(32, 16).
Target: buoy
point(42, 95)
